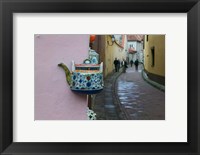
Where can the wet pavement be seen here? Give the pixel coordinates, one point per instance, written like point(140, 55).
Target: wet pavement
point(105, 103)
point(128, 96)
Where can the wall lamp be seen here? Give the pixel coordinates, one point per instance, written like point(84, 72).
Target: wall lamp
point(113, 40)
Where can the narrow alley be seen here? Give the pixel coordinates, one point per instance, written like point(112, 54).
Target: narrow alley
point(127, 96)
point(88, 81)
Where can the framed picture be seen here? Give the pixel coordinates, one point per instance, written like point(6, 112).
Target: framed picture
point(7, 69)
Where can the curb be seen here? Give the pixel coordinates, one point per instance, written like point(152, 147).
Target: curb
point(116, 97)
point(113, 83)
point(153, 83)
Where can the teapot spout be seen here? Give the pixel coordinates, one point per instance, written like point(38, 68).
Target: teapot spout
point(67, 72)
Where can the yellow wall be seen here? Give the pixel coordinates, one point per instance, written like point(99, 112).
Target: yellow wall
point(158, 41)
point(112, 52)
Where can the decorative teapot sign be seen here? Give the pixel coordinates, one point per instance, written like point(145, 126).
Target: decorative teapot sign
point(85, 78)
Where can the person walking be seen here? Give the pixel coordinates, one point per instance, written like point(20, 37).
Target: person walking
point(116, 64)
point(124, 65)
point(136, 64)
point(131, 62)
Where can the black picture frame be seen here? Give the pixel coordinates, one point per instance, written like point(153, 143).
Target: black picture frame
point(8, 7)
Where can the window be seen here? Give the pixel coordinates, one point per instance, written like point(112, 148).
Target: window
point(147, 37)
point(153, 56)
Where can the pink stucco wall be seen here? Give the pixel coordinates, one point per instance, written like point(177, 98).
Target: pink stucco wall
point(53, 98)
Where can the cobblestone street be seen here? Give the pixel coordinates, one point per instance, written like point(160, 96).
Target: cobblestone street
point(128, 96)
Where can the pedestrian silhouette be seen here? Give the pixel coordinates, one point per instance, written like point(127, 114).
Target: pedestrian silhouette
point(118, 66)
point(131, 62)
point(124, 65)
point(136, 64)
point(116, 62)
